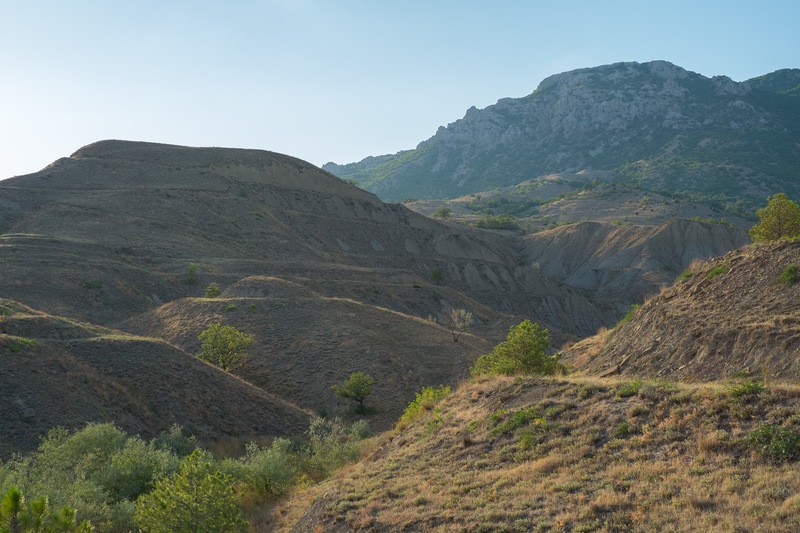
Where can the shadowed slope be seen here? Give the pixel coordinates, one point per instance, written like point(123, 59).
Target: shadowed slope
point(59, 372)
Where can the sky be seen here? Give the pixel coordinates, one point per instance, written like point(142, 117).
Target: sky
point(332, 80)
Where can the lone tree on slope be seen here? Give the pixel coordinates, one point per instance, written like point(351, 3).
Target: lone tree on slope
point(357, 387)
point(224, 346)
point(780, 219)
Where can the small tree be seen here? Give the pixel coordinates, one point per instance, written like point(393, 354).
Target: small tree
point(523, 352)
point(457, 321)
point(357, 387)
point(196, 499)
point(191, 273)
point(212, 291)
point(780, 219)
point(437, 276)
point(224, 346)
point(443, 212)
point(16, 516)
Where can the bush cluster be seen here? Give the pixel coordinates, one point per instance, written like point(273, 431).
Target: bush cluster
point(122, 483)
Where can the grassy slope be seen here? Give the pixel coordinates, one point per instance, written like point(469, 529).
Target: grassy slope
point(683, 464)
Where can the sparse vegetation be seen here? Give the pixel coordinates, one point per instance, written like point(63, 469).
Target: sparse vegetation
point(789, 275)
point(626, 390)
point(356, 387)
point(212, 290)
point(523, 352)
point(457, 321)
point(426, 400)
point(224, 346)
point(717, 271)
point(780, 219)
point(628, 316)
point(18, 344)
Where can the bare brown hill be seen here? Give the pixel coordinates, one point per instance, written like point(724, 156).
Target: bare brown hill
point(109, 232)
point(732, 314)
point(306, 342)
point(625, 263)
point(571, 454)
point(58, 372)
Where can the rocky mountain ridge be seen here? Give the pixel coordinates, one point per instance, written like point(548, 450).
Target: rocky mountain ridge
point(656, 124)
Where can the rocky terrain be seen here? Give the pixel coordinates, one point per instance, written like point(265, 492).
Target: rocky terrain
point(733, 314)
point(653, 124)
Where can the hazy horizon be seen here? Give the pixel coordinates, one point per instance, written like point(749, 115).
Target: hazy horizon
point(330, 82)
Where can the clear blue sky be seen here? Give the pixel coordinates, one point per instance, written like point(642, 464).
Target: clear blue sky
point(332, 80)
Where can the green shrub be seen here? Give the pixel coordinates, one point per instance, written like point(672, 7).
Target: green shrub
point(212, 291)
point(498, 222)
point(790, 275)
point(628, 316)
point(514, 420)
point(198, 498)
point(229, 307)
point(523, 352)
point(17, 344)
point(717, 271)
point(626, 390)
point(622, 430)
point(267, 471)
point(191, 273)
point(745, 387)
point(424, 402)
point(775, 443)
point(686, 274)
point(443, 212)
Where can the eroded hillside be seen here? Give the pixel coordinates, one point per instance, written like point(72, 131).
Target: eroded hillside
point(735, 313)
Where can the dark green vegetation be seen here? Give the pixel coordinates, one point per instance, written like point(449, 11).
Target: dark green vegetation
point(523, 352)
point(118, 482)
point(652, 124)
point(224, 346)
point(780, 219)
point(356, 387)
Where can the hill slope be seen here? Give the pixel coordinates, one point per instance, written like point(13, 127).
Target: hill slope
point(654, 124)
point(729, 315)
point(58, 372)
point(531, 454)
point(109, 232)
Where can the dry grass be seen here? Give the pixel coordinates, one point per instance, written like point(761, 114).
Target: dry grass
point(684, 465)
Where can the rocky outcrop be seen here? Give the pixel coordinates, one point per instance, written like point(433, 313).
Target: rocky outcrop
point(686, 132)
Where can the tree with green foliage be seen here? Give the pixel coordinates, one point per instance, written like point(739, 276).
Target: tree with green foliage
point(35, 517)
point(191, 273)
point(437, 276)
point(224, 346)
point(780, 219)
point(198, 499)
point(357, 387)
point(523, 352)
point(212, 291)
point(443, 212)
point(457, 321)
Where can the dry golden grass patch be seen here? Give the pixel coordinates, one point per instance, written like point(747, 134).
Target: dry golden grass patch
point(682, 464)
